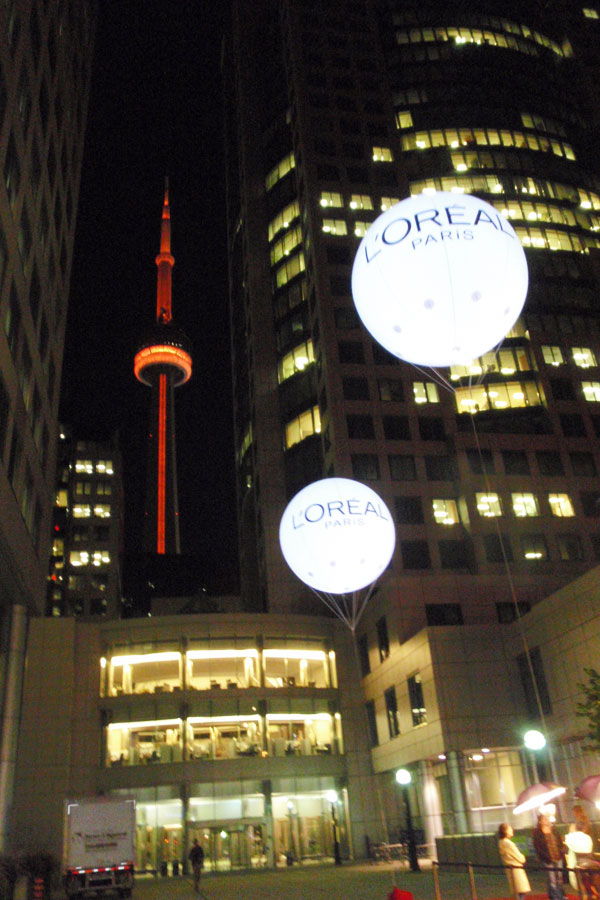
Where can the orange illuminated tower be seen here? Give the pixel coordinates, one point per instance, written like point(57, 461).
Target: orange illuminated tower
point(163, 362)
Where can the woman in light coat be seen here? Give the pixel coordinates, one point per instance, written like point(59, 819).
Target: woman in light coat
point(514, 861)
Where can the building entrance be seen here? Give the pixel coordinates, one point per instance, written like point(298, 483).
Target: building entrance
point(229, 846)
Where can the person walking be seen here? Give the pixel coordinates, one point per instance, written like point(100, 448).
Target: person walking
point(514, 861)
point(551, 851)
point(196, 857)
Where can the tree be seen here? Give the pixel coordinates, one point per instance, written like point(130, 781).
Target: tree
point(589, 708)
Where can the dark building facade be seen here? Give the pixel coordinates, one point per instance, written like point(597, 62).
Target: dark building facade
point(45, 65)
point(335, 111)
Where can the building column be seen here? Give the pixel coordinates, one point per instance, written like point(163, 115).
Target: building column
point(185, 799)
point(11, 713)
point(432, 808)
point(457, 791)
point(270, 850)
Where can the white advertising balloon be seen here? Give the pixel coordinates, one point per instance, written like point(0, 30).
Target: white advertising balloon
point(439, 279)
point(337, 535)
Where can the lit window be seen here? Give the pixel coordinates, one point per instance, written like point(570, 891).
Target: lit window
point(58, 547)
point(417, 700)
point(552, 355)
point(388, 202)
point(533, 546)
point(104, 466)
point(246, 442)
point(335, 226)
point(83, 488)
point(303, 426)
point(511, 395)
point(102, 511)
point(583, 357)
point(296, 360)
point(445, 512)
point(82, 511)
point(590, 13)
point(425, 392)
point(61, 498)
point(525, 505)
point(471, 400)
point(361, 228)
point(100, 557)
point(286, 244)
point(282, 168)
point(591, 391)
point(488, 505)
point(391, 706)
point(283, 219)
point(84, 465)
point(404, 119)
point(79, 558)
point(103, 488)
point(382, 154)
point(560, 505)
point(331, 198)
point(361, 201)
point(291, 268)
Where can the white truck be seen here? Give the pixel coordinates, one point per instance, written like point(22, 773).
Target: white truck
point(99, 849)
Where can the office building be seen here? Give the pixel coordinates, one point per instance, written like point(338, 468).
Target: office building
point(87, 537)
point(334, 112)
point(45, 62)
point(230, 728)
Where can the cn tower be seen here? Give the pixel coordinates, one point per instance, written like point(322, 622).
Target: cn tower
point(163, 362)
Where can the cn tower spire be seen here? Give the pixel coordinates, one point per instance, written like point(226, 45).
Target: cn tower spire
point(164, 263)
point(163, 362)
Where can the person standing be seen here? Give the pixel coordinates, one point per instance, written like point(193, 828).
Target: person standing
point(196, 857)
point(514, 861)
point(551, 851)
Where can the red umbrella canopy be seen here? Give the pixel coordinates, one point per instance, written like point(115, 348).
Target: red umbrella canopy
point(537, 795)
point(589, 789)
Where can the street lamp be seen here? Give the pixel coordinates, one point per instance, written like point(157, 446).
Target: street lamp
point(403, 777)
point(332, 798)
point(534, 740)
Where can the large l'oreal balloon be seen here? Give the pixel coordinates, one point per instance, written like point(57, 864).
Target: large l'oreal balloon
point(337, 535)
point(439, 279)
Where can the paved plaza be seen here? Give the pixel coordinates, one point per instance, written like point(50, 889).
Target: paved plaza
point(350, 882)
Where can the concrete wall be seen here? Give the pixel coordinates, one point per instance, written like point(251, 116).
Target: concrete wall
point(58, 746)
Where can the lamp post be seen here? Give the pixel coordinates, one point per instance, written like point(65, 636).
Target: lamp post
point(332, 797)
point(403, 777)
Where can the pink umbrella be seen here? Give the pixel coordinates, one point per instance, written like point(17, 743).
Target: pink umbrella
point(537, 795)
point(589, 789)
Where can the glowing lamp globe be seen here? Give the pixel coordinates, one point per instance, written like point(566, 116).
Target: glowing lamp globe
point(534, 740)
point(337, 535)
point(439, 279)
point(579, 842)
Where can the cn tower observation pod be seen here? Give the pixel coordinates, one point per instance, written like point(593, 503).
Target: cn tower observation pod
point(164, 349)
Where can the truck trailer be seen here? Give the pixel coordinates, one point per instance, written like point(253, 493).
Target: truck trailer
point(99, 846)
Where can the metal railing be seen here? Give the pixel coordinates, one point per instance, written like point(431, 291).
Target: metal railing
point(388, 853)
point(581, 875)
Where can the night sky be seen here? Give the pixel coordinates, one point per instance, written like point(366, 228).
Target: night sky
point(155, 110)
